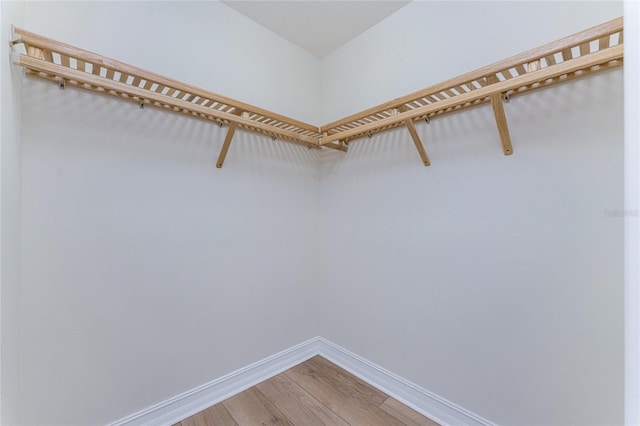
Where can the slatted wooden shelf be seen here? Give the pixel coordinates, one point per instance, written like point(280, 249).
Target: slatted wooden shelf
point(589, 51)
point(49, 59)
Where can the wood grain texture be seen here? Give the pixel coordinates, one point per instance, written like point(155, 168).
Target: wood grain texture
point(314, 393)
point(593, 33)
point(501, 120)
point(251, 407)
point(405, 414)
point(553, 63)
point(226, 145)
point(212, 416)
point(564, 68)
point(108, 84)
point(358, 406)
point(416, 140)
point(85, 55)
point(297, 404)
point(347, 381)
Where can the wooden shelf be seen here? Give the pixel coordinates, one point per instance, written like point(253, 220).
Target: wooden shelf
point(587, 52)
point(65, 64)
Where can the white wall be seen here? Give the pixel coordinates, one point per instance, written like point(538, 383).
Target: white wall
point(632, 204)
point(416, 47)
point(495, 282)
point(206, 44)
point(146, 270)
point(10, 111)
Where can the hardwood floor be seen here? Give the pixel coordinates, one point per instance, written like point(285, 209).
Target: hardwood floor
point(315, 392)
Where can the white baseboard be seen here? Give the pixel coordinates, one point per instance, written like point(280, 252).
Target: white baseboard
point(410, 394)
point(191, 402)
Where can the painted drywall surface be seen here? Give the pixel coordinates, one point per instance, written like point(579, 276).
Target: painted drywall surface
point(146, 270)
point(155, 398)
point(495, 282)
point(11, 13)
point(632, 204)
point(427, 42)
point(206, 44)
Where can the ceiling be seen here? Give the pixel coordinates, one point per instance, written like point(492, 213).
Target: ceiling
point(319, 27)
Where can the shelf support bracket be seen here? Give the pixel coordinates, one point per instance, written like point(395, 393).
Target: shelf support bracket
point(336, 146)
point(416, 139)
point(225, 145)
point(501, 119)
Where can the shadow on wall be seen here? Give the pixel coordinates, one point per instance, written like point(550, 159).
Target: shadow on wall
point(471, 135)
point(488, 268)
point(157, 135)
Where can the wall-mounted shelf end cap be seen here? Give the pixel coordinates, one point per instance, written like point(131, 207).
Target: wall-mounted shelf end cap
point(17, 47)
point(14, 38)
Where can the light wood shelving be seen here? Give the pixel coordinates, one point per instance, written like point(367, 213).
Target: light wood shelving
point(590, 51)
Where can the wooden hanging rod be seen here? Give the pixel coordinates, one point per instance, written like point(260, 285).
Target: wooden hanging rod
point(589, 51)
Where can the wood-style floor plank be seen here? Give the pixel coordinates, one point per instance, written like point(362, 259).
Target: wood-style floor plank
point(348, 380)
point(314, 393)
point(251, 408)
point(216, 415)
point(405, 414)
point(297, 404)
point(351, 405)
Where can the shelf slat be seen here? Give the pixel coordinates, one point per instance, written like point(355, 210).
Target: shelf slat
point(590, 51)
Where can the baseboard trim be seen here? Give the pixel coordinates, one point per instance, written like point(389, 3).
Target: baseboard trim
point(193, 401)
point(410, 394)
